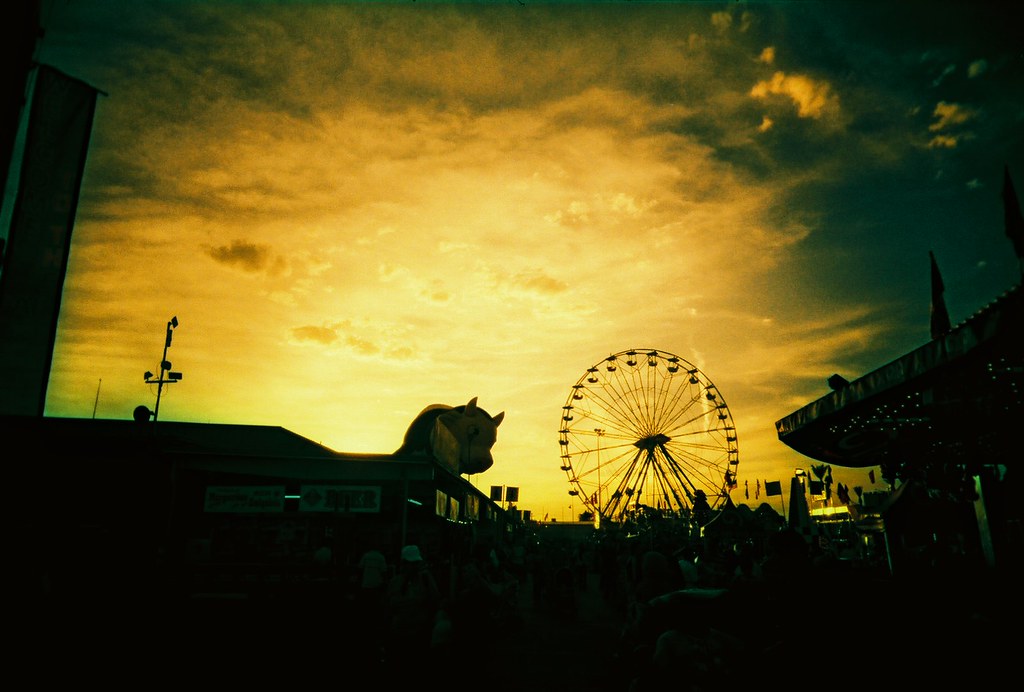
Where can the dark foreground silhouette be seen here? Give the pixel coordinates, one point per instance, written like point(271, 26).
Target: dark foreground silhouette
point(555, 625)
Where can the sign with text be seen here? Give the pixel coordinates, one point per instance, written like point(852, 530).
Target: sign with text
point(340, 498)
point(447, 449)
point(244, 498)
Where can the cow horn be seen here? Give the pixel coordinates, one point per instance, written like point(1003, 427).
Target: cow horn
point(498, 418)
point(471, 407)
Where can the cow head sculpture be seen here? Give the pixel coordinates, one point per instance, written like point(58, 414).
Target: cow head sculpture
point(462, 436)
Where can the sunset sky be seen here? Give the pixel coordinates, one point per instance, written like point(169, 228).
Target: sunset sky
point(356, 210)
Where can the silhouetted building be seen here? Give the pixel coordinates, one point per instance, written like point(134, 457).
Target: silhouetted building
point(193, 508)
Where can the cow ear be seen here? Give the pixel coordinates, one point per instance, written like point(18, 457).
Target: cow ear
point(471, 407)
point(498, 418)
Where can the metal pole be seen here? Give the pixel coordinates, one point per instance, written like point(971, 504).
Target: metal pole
point(163, 370)
point(405, 508)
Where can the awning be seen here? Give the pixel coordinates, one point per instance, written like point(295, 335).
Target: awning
point(957, 398)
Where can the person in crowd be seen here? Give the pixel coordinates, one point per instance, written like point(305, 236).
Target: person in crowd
point(371, 576)
point(686, 558)
point(412, 600)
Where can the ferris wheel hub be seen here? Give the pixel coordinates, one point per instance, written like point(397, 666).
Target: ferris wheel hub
point(650, 442)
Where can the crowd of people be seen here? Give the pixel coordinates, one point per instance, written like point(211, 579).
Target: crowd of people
point(684, 617)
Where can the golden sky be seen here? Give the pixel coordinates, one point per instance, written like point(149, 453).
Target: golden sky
point(356, 210)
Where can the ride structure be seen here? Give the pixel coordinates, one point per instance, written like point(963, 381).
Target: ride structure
point(646, 432)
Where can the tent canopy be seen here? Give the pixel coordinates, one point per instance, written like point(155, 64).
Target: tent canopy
point(957, 398)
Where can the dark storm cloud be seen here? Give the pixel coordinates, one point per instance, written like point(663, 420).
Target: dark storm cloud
point(248, 257)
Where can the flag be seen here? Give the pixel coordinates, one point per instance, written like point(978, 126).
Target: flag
point(799, 513)
point(871, 475)
point(1014, 220)
point(512, 494)
point(730, 480)
point(757, 489)
point(39, 238)
point(843, 493)
point(939, 317)
point(496, 493)
point(772, 488)
point(816, 487)
point(746, 489)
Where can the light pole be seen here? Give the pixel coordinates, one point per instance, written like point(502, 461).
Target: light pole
point(166, 375)
point(600, 433)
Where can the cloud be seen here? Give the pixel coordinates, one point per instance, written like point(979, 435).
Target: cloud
point(942, 142)
point(948, 70)
point(812, 98)
point(977, 68)
point(537, 282)
point(388, 272)
point(767, 55)
point(721, 21)
point(345, 331)
point(320, 335)
point(362, 346)
point(436, 292)
point(949, 116)
point(248, 257)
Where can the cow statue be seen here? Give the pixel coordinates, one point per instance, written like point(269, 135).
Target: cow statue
point(460, 436)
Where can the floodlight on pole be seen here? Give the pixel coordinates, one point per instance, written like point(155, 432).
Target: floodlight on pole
point(166, 376)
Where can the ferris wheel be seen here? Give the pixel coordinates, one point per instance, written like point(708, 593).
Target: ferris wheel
point(645, 430)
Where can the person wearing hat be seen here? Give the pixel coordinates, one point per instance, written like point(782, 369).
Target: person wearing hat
point(412, 599)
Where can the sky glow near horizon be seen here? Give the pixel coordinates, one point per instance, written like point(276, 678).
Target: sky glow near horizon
point(356, 210)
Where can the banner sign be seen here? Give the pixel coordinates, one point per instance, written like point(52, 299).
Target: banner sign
point(340, 498)
point(35, 258)
point(262, 498)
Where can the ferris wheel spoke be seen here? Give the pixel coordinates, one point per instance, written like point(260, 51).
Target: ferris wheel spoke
point(667, 489)
point(688, 417)
point(602, 410)
point(687, 483)
point(616, 408)
point(696, 466)
point(631, 471)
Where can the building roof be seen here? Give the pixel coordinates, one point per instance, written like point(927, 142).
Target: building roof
point(956, 398)
point(242, 449)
